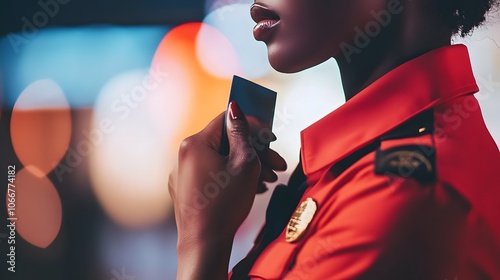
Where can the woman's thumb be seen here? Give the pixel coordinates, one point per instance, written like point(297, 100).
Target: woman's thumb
point(238, 134)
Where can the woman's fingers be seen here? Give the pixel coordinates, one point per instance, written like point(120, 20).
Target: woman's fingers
point(270, 159)
point(268, 175)
point(207, 183)
point(261, 188)
point(241, 151)
point(275, 161)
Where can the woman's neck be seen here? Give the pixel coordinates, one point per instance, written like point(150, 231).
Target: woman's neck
point(414, 32)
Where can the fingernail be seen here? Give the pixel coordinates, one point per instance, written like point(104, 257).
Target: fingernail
point(235, 112)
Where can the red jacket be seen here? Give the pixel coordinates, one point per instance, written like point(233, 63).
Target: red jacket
point(400, 183)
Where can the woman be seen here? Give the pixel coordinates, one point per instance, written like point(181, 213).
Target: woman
point(398, 183)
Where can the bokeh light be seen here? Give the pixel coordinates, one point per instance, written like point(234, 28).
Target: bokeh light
point(202, 95)
point(235, 23)
point(38, 208)
point(211, 5)
point(303, 98)
point(147, 254)
point(80, 59)
point(483, 47)
point(129, 161)
point(2, 93)
point(41, 126)
point(216, 53)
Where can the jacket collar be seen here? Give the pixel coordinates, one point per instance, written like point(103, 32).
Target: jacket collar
point(404, 92)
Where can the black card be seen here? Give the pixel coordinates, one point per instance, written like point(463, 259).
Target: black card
point(258, 104)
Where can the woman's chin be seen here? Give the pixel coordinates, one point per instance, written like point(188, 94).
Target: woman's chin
point(288, 66)
point(284, 64)
point(284, 70)
point(290, 63)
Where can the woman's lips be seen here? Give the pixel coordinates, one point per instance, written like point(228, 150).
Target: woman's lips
point(266, 20)
point(264, 29)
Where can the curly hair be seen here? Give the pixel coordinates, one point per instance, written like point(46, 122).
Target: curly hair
point(464, 16)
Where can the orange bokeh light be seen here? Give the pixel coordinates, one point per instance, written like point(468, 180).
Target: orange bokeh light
point(41, 135)
point(129, 169)
point(37, 208)
point(207, 94)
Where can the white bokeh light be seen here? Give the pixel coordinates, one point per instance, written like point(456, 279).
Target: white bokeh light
point(303, 98)
point(216, 53)
point(42, 94)
point(130, 164)
point(235, 23)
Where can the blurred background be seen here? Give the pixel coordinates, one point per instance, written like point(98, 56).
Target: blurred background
point(95, 97)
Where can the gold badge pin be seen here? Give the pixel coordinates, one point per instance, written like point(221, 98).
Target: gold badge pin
point(300, 220)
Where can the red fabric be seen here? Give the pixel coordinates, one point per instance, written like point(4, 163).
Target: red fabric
point(370, 226)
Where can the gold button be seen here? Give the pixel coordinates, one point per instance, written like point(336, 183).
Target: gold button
point(300, 220)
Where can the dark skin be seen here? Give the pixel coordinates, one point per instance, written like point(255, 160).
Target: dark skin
point(308, 33)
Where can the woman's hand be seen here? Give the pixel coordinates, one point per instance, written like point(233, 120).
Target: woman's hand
point(213, 194)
